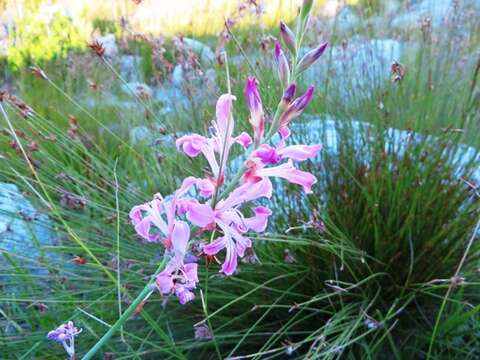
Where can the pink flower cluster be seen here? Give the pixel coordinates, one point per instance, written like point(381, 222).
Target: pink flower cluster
point(168, 220)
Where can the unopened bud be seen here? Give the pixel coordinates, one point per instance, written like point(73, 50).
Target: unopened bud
point(289, 93)
point(288, 37)
point(282, 63)
point(254, 103)
point(301, 103)
point(288, 96)
point(296, 108)
point(311, 57)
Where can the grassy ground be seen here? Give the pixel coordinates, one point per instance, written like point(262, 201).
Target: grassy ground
point(384, 278)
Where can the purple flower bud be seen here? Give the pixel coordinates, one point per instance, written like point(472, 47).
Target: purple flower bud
point(288, 37)
point(311, 57)
point(289, 93)
point(254, 103)
point(296, 107)
point(282, 63)
point(301, 103)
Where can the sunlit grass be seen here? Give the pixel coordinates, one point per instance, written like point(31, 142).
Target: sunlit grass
point(369, 285)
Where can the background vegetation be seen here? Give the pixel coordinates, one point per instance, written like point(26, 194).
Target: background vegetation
point(374, 264)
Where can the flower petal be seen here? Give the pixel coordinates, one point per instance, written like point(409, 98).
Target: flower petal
point(241, 242)
point(267, 154)
point(291, 174)
point(206, 187)
point(244, 139)
point(191, 144)
point(136, 214)
point(230, 264)
point(215, 246)
point(164, 282)
point(199, 214)
point(180, 237)
point(224, 115)
point(187, 184)
point(254, 103)
point(191, 273)
point(300, 152)
point(247, 192)
point(143, 229)
point(258, 223)
point(184, 295)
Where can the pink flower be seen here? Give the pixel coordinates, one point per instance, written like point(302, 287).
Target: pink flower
point(161, 214)
point(268, 155)
point(206, 186)
point(231, 221)
point(254, 103)
point(216, 148)
point(191, 144)
point(258, 222)
point(234, 225)
point(157, 212)
point(179, 278)
point(256, 171)
point(272, 155)
point(244, 139)
point(64, 332)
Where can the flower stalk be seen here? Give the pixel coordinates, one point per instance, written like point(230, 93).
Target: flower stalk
point(144, 294)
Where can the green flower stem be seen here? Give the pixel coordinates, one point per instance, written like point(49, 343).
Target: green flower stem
point(126, 315)
point(274, 127)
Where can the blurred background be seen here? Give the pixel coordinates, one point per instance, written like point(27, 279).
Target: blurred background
point(358, 268)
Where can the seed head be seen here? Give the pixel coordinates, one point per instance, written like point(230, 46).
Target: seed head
point(97, 47)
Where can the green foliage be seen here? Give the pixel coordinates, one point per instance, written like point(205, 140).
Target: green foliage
point(105, 26)
point(147, 67)
point(369, 286)
point(42, 40)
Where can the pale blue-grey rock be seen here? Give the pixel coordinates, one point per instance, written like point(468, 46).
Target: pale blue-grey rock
point(205, 53)
point(437, 11)
point(326, 130)
point(24, 234)
point(129, 68)
point(141, 135)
